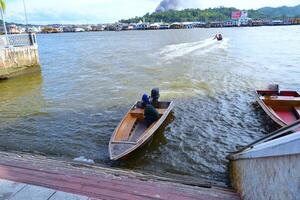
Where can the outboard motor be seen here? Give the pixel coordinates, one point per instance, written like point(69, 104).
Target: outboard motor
point(154, 97)
point(155, 94)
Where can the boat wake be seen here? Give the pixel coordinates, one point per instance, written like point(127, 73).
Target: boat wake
point(173, 51)
point(82, 159)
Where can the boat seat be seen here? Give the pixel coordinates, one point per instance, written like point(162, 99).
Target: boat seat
point(140, 111)
point(281, 100)
point(123, 142)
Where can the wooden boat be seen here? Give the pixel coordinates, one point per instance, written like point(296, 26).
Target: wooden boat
point(282, 105)
point(133, 132)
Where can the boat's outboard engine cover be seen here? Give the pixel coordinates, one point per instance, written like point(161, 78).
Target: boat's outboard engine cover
point(155, 94)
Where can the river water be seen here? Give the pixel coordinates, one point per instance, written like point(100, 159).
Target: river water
point(89, 80)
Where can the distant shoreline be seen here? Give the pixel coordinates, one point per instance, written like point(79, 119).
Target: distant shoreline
point(148, 29)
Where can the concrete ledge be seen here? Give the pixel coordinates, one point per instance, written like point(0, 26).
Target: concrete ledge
point(15, 61)
point(273, 178)
point(19, 191)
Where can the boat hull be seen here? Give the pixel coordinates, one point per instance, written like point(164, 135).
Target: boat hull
point(283, 107)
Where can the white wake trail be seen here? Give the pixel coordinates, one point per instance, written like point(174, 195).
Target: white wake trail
point(173, 51)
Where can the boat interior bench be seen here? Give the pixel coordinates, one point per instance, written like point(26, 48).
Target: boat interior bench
point(282, 100)
point(137, 112)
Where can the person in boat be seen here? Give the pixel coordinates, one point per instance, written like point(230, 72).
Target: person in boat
point(145, 100)
point(219, 37)
point(154, 97)
point(150, 113)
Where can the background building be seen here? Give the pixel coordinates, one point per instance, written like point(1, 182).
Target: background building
point(240, 18)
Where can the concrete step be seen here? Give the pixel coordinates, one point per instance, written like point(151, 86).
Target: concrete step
point(10, 190)
point(99, 182)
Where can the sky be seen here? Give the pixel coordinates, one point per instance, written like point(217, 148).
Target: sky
point(107, 11)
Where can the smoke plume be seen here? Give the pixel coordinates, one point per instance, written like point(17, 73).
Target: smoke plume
point(168, 5)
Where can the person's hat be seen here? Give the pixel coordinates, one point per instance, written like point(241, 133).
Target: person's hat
point(145, 98)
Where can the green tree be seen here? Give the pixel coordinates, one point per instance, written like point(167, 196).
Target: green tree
point(3, 5)
point(215, 14)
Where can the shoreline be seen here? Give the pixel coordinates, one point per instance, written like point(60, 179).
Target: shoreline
point(148, 29)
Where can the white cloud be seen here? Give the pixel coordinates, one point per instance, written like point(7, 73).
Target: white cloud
point(67, 11)
point(101, 11)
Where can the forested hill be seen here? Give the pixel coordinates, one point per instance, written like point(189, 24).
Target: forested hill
point(213, 14)
point(281, 11)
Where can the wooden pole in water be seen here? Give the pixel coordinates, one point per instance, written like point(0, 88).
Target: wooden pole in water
point(26, 18)
point(2, 5)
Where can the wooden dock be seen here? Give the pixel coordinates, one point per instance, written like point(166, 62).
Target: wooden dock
point(97, 182)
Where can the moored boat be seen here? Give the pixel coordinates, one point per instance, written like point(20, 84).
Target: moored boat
point(282, 105)
point(133, 131)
